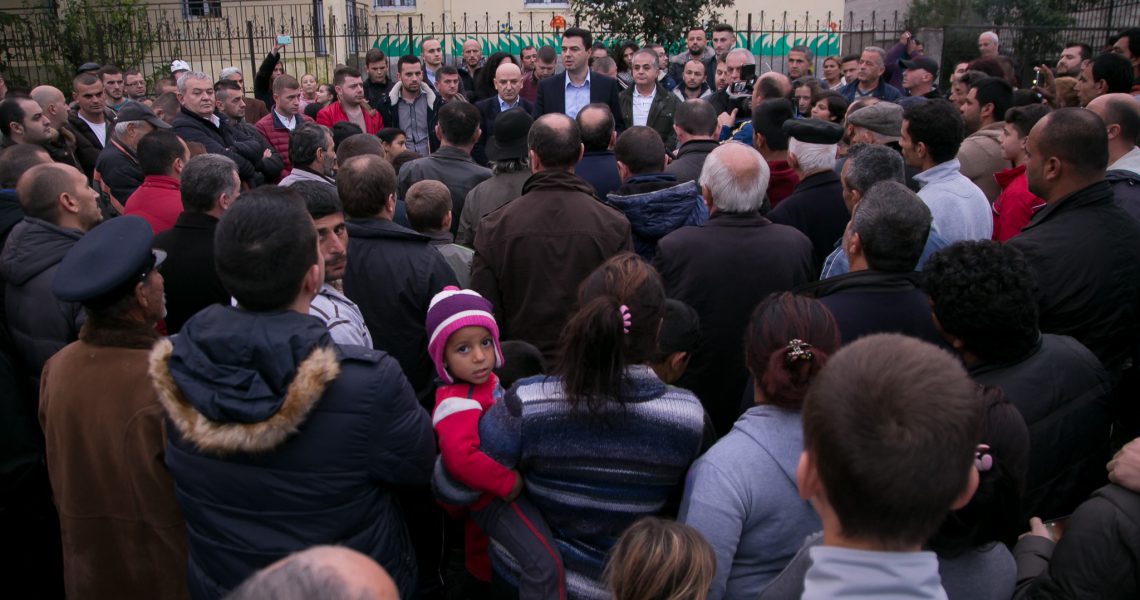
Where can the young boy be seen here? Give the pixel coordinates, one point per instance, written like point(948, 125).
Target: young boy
point(680, 333)
point(429, 212)
point(464, 345)
point(1015, 205)
point(891, 426)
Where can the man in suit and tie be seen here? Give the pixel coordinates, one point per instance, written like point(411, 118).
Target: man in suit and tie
point(578, 86)
point(508, 84)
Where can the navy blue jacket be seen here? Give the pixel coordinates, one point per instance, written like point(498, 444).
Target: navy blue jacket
point(657, 205)
point(1125, 190)
point(599, 169)
point(869, 302)
point(883, 91)
point(816, 208)
point(280, 440)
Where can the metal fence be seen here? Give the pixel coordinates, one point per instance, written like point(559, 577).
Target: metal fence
point(43, 45)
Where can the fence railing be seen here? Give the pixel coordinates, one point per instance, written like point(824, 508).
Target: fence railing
point(45, 46)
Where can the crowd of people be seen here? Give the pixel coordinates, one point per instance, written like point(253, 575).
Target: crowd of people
point(588, 322)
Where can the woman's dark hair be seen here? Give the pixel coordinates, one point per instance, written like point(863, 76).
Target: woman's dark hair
point(836, 104)
point(619, 55)
point(769, 354)
point(595, 347)
point(994, 512)
point(485, 86)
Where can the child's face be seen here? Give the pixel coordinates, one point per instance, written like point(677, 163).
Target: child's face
point(470, 354)
point(1012, 144)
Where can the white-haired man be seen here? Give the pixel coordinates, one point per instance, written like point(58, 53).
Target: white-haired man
point(815, 206)
point(713, 269)
point(988, 45)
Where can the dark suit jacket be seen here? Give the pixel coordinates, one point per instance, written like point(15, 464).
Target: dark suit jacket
point(552, 95)
point(191, 281)
point(489, 108)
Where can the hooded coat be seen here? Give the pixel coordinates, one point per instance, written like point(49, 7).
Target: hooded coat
point(656, 205)
point(280, 440)
point(980, 157)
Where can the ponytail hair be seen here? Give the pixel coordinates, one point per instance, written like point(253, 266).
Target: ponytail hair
point(788, 341)
point(595, 347)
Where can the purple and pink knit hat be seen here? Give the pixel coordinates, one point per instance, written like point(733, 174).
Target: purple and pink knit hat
point(452, 310)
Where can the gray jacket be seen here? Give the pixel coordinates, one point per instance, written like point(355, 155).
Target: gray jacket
point(690, 159)
point(484, 199)
point(457, 257)
point(450, 165)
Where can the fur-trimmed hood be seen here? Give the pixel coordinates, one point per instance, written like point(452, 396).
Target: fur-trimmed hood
point(236, 381)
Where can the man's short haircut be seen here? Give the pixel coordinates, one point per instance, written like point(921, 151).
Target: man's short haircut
point(877, 50)
point(849, 58)
point(745, 53)
point(641, 150)
point(342, 73)
point(556, 141)
point(1125, 113)
point(596, 131)
point(15, 160)
point(304, 141)
point(696, 117)
point(427, 203)
point(692, 28)
point(302, 575)
point(11, 112)
point(109, 70)
point(228, 72)
point(168, 102)
point(187, 76)
point(983, 293)
point(1023, 118)
point(768, 88)
point(768, 120)
point(578, 32)
point(263, 246)
point(605, 64)
point(320, 198)
point(1076, 136)
point(342, 130)
point(206, 177)
point(891, 424)
point(1086, 50)
point(39, 188)
point(525, 48)
point(938, 124)
point(158, 150)
point(87, 78)
point(806, 51)
point(868, 164)
point(360, 144)
point(407, 59)
point(723, 27)
point(389, 134)
point(996, 91)
point(646, 51)
point(1115, 71)
point(373, 56)
point(680, 330)
point(547, 54)
point(447, 70)
point(364, 184)
point(1133, 35)
point(737, 190)
point(223, 88)
point(458, 122)
point(285, 82)
point(426, 40)
point(893, 224)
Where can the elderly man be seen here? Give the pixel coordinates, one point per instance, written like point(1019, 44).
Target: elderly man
point(162, 157)
point(276, 126)
point(733, 108)
point(508, 83)
point(103, 431)
point(647, 103)
point(59, 207)
point(209, 185)
point(336, 571)
point(92, 122)
point(1083, 249)
point(255, 108)
point(62, 146)
point(815, 206)
point(313, 155)
point(507, 151)
point(988, 44)
point(713, 269)
point(932, 133)
point(1121, 116)
point(884, 241)
point(200, 121)
point(869, 80)
point(117, 169)
point(531, 254)
point(983, 113)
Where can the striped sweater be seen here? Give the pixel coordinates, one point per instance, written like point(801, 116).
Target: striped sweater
point(594, 475)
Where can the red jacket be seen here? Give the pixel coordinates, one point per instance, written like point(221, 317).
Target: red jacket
point(1014, 206)
point(275, 133)
point(158, 200)
point(333, 113)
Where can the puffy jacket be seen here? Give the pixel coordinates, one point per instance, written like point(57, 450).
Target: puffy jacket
point(1063, 392)
point(40, 325)
point(280, 440)
point(1125, 190)
point(277, 136)
point(980, 156)
point(657, 205)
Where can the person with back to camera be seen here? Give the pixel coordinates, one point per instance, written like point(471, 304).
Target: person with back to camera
point(741, 495)
point(603, 406)
point(464, 345)
point(657, 559)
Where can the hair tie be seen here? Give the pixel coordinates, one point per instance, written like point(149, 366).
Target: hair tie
point(797, 350)
point(626, 319)
point(983, 460)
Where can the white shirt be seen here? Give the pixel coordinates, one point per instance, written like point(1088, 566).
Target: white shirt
point(289, 123)
point(100, 130)
point(641, 106)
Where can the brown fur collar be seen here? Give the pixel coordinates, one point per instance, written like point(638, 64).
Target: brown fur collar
point(118, 333)
point(211, 437)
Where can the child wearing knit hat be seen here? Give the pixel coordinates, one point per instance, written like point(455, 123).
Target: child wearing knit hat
point(463, 341)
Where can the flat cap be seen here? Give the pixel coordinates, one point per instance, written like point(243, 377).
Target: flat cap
point(88, 68)
point(814, 131)
point(922, 62)
point(883, 118)
point(137, 111)
point(107, 262)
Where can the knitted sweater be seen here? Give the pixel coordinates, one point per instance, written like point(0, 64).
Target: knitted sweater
point(593, 475)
